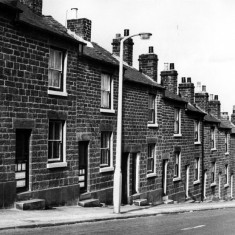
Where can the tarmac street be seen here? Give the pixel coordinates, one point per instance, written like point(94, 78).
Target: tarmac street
point(214, 222)
point(11, 220)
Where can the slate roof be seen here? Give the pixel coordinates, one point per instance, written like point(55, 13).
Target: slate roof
point(99, 53)
point(10, 3)
point(171, 96)
point(45, 23)
point(132, 74)
point(226, 124)
point(210, 118)
point(194, 109)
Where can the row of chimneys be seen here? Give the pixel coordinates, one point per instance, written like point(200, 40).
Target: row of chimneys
point(148, 64)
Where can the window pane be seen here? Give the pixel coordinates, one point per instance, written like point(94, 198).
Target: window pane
point(57, 131)
point(56, 149)
point(105, 99)
point(58, 60)
point(51, 58)
point(50, 150)
point(51, 127)
point(105, 82)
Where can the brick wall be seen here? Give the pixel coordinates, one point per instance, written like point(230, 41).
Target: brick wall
point(23, 86)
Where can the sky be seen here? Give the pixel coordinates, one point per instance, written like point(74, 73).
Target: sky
point(197, 35)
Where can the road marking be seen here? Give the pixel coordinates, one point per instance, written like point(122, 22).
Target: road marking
point(190, 228)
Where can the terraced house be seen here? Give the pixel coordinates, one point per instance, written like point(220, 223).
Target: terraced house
point(59, 115)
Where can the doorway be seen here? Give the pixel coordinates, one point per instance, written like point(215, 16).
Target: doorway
point(187, 182)
point(135, 173)
point(83, 165)
point(164, 177)
point(125, 169)
point(22, 160)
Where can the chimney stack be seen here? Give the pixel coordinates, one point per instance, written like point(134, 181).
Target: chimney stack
point(148, 64)
point(233, 115)
point(214, 106)
point(169, 77)
point(224, 116)
point(127, 47)
point(82, 27)
point(201, 97)
point(34, 5)
point(186, 90)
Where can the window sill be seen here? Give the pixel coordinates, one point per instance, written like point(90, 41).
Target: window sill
point(213, 185)
point(152, 125)
point(226, 185)
point(57, 93)
point(197, 143)
point(226, 154)
point(196, 182)
point(150, 175)
point(56, 165)
point(177, 135)
point(107, 111)
point(176, 179)
point(106, 169)
point(213, 150)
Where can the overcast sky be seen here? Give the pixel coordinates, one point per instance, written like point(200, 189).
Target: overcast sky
point(197, 35)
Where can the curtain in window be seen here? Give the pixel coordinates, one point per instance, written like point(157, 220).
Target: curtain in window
point(176, 123)
point(151, 104)
point(55, 68)
point(150, 161)
point(105, 90)
point(55, 141)
point(105, 149)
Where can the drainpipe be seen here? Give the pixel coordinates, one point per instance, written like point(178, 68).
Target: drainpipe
point(202, 191)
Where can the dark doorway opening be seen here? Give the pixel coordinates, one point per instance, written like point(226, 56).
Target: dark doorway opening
point(83, 165)
point(22, 160)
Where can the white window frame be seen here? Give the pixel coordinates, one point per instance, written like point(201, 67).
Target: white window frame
point(197, 164)
point(106, 168)
point(153, 151)
point(177, 155)
point(178, 112)
point(60, 162)
point(63, 91)
point(226, 143)
point(111, 108)
point(153, 123)
point(226, 174)
point(214, 138)
point(197, 130)
point(213, 170)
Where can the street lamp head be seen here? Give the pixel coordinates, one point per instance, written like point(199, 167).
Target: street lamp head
point(145, 36)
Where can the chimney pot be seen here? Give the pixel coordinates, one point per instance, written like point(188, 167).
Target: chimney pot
point(203, 88)
point(216, 97)
point(126, 32)
point(172, 66)
point(118, 35)
point(150, 49)
point(211, 97)
point(183, 80)
point(188, 80)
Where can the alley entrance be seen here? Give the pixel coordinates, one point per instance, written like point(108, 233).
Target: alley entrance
point(83, 165)
point(22, 160)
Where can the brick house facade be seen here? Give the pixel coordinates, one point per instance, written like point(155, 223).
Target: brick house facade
point(38, 112)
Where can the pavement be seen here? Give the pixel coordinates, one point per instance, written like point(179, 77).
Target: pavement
point(16, 219)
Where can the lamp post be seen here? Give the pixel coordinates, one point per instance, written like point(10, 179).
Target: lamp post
point(117, 184)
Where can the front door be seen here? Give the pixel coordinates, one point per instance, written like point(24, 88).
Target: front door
point(187, 182)
point(134, 179)
point(22, 160)
point(125, 178)
point(83, 162)
point(164, 176)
